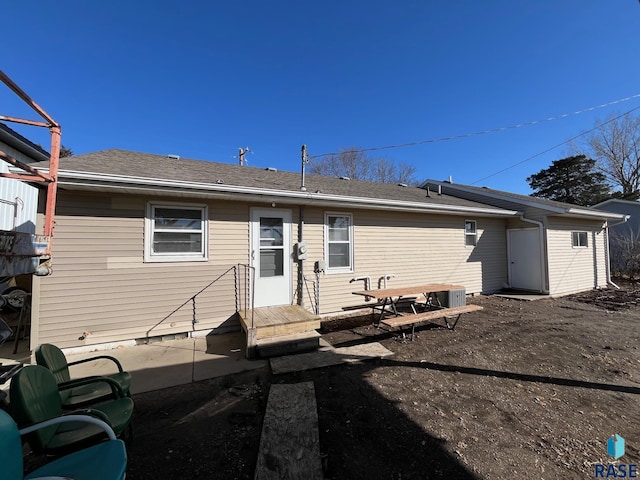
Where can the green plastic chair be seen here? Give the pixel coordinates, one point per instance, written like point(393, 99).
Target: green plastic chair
point(77, 393)
point(105, 461)
point(34, 398)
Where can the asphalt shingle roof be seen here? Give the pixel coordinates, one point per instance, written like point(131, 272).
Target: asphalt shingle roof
point(516, 197)
point(144, 165)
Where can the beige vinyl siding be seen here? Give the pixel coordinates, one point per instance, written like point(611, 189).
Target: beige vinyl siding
point(601, 258)
point(101, 285)
point(416, 248)
point(574, 269)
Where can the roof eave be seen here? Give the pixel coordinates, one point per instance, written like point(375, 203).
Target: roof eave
point(600, 215)
point(497, 196)
point(23, 147)
point(96, 181)
point(574, 212)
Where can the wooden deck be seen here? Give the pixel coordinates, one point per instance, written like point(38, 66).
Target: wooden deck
point(279, 326)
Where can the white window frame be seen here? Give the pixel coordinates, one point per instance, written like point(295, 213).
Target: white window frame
point(474, 234)
point(350, 268)
point(575, 235)
point(149, 230)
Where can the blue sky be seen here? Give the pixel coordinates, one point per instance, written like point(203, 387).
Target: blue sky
point(202, 78)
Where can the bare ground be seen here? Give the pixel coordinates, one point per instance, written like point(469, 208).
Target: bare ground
point(518, 390)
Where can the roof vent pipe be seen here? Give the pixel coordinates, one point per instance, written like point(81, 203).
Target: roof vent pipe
point(304, 160)
point(439, 189)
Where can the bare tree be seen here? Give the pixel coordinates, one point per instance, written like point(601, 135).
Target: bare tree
point(405, 173)
point(625, 254)
point(615, 146)
point(348, 163)
point(357, 165)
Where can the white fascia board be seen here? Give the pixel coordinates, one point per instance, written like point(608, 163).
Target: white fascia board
point(121, 182)
point(601, 215)
point(497, 196)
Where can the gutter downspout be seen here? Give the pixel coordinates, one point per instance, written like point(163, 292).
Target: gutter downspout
point(608, 266)
point(543, 254)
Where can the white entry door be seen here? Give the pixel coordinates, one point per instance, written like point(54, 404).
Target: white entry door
point(271, 256)
point(525, 259)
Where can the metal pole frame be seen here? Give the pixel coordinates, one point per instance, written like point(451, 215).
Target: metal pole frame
point(32, 174)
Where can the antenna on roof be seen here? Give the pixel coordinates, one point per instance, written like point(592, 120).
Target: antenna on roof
point(241, 153)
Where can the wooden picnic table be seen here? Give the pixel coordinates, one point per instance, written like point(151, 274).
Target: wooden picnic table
point(393, 297)
point(432, 307)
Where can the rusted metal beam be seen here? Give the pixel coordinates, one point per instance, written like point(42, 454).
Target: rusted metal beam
point(27, 99)
point(35, 123)
point(52, 187)
point(52, 177)
point(28, 168)
point(24, 177)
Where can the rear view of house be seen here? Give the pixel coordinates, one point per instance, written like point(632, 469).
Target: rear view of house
point(150, 245)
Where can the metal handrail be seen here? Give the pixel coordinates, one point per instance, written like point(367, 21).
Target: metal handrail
point(240, 298)
point(313, 300)
point(245, 297)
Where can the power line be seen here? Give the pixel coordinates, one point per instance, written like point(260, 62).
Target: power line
point(555, 146)
point(482, 132)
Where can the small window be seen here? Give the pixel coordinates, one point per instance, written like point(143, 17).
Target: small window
point(339, 243)
point(470, 233)
point(175, 233)
point(579, 239)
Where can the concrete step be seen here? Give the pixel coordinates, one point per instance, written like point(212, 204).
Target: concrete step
point(286, 344)
point(327, 357)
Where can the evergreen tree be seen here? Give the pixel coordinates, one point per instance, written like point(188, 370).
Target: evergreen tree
point(571, 180)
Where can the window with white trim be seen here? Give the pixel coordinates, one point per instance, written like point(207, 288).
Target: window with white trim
point(579, 239)
point(338, 242)
point(470, 233)
point(175, 233)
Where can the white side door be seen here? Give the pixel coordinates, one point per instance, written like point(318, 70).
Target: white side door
point(271, 256)
point(525, 259)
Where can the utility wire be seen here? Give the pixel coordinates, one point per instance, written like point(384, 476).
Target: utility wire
point(556, 146)
point(483, 132)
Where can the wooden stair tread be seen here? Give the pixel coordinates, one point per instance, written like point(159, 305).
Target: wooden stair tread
point(289, 337)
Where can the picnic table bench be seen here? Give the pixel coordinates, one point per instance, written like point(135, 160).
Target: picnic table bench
point(413, 320)
point(392, 298)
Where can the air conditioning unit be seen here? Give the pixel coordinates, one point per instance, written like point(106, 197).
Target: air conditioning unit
point(453, 298)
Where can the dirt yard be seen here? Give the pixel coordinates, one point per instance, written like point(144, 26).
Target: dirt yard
point(518, 390)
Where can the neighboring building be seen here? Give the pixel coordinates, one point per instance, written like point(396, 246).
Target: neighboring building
point(18, 199)
point(625, 236)
point(141, 240)
point(623, 207)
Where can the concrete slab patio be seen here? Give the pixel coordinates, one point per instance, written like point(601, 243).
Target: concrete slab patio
point(169, 363)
